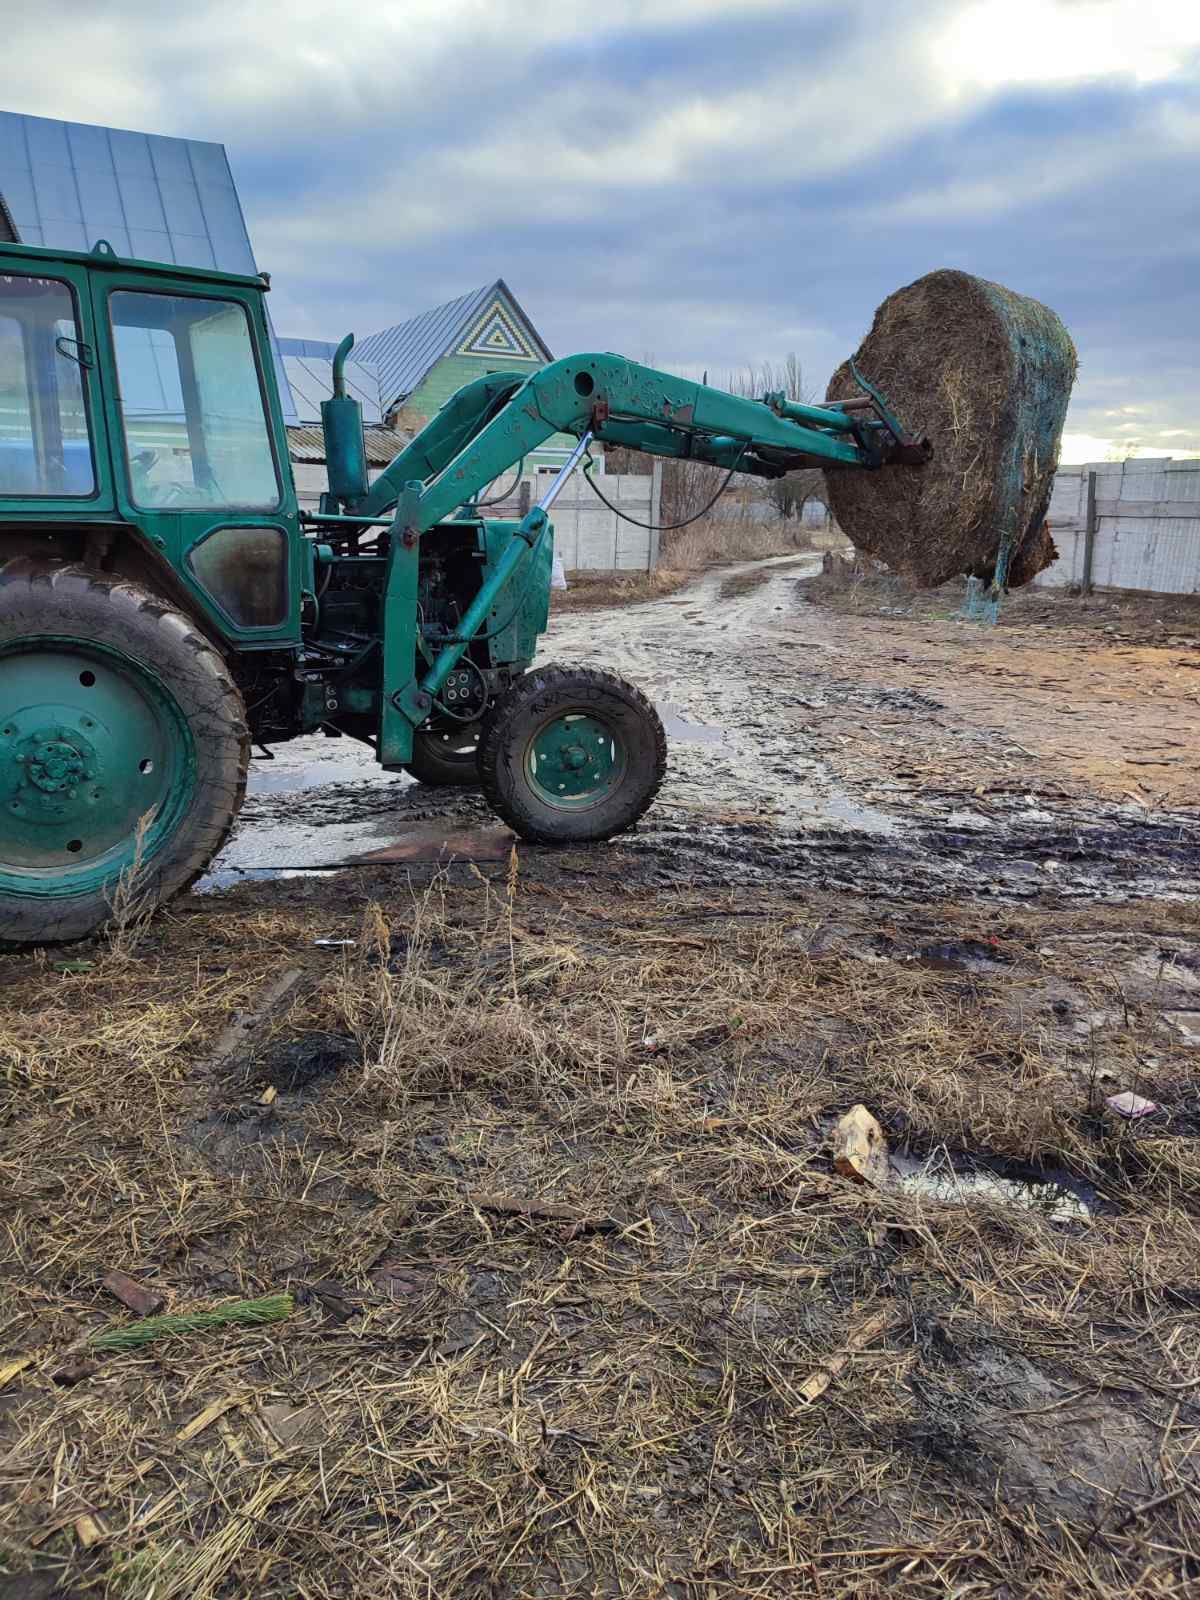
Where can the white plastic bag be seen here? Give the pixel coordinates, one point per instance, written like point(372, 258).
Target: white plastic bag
point(558, 577)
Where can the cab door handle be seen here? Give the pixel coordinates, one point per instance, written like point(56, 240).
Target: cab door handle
point(82, 353)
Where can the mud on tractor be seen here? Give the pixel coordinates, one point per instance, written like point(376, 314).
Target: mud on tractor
point(165, 606)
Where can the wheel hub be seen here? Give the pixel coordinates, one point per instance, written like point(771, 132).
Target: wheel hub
point(576, 760)
point(53, 762)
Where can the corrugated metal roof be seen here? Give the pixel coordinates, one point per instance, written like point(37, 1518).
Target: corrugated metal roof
point(308, 444)
point(405, 353)
point(153, 198)
point(310, 379)
point(320, 349)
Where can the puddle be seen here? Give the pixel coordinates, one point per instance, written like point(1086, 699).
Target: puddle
point(1187, 1023)
point(290, 777)
point(935, 1178)
point(437, 841)
point(677, 727)
point(319, 803)
point(963, 955)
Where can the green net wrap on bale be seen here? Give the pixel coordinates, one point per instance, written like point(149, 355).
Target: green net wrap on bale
point(987, 374)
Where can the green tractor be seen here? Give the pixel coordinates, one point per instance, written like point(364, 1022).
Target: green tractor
point(164, 604)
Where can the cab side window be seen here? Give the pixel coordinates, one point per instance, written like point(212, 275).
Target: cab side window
point(45, 441)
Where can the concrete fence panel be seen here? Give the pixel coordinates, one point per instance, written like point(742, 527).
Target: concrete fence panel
point(588, 536)
point(1127, 525)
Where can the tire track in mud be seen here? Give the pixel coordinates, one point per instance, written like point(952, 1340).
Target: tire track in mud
point(755, 692)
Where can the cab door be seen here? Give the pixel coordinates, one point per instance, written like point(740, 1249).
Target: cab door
point(53, 460)
point(198, 446)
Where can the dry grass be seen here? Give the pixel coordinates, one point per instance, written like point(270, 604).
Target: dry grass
point(713, 541)
point(1110, 616)
point(548, 1175)
point(588, 591)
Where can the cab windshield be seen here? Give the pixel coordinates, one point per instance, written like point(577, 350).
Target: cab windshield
point(191, 403)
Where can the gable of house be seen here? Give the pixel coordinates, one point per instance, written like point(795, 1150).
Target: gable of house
point(422, 362)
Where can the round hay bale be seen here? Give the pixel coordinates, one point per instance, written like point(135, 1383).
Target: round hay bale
point(987, 374)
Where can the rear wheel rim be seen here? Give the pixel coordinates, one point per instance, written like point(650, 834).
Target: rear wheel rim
point(90, 743)
point(576, 760)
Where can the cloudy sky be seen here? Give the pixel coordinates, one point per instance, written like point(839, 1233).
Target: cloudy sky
point(709, 183)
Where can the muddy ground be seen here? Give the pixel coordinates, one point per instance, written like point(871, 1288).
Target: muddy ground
point(542, 1151)
point(901, 759)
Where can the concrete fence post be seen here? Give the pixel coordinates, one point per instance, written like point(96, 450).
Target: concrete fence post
point(655, 517)
point(1089, 535)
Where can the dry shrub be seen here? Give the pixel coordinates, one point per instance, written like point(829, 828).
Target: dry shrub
point(712, 541)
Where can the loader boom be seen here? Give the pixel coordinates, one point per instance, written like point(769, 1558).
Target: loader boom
point(492, 424)
point(486, 428)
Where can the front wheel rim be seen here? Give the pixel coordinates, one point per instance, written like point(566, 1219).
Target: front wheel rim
point(91, 742)
point(576, 760)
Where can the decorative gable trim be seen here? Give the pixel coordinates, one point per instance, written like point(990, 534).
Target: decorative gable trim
point(498, 333)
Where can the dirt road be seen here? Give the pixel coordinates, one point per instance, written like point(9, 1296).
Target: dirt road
point(908, 759)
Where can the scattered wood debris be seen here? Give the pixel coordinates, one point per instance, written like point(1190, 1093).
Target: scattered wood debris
point(860, 1148)
point(144, 1302)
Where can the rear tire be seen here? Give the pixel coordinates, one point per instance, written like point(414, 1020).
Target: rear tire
point(571, 755)
point(446, 758)
point(113, 708)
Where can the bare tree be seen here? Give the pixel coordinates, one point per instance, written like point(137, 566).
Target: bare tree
point(791, 493)
point(771, 377)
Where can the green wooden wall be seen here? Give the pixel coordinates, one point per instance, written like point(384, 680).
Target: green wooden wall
point(450, 373)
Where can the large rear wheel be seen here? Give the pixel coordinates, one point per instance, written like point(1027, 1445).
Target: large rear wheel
point(571, 754)
point(123, 751)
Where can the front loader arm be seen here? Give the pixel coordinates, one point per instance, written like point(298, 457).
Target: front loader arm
point(487, 427)
point(589, 396)
point(466, 412)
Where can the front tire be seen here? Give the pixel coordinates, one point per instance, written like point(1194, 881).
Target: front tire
point(123, 750)
point(571, 755)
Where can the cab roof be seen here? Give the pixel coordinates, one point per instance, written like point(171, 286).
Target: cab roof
point(103, 258)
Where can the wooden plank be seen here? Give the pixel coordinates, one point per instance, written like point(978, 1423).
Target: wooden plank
point(858, 1339)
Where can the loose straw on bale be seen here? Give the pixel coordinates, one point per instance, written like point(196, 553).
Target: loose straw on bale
point(987, 374)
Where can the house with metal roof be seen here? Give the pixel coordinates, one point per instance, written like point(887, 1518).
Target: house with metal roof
point(423, 361)
point(404, 374)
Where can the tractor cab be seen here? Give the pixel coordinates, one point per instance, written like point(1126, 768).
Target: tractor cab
point(138, 405)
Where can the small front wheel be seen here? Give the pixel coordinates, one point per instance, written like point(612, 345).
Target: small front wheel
point(571, 754)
